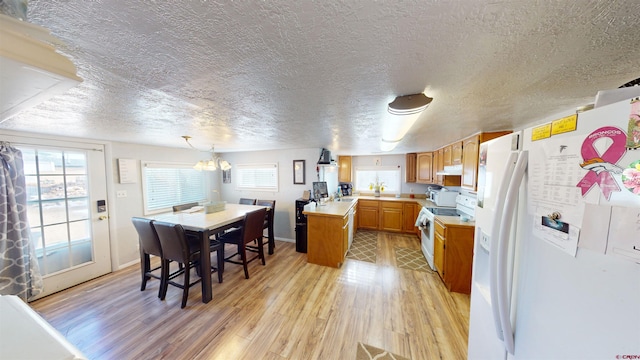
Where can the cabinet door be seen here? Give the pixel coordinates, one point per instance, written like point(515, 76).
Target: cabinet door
point(424, 166)
point(409, 214)
point(456, 153)
point(368, 214)
point(344, 173)
point(446, 156)
point(391, 216)
point(410, 167)
point(438, 165)
point(470, 150)
point(438, 254)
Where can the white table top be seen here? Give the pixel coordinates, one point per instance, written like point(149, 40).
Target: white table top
point(26, 335)
point(198, 221)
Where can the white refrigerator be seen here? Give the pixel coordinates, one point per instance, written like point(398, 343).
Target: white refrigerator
point(556, 269)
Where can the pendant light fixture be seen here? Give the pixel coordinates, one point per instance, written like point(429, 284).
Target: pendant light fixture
point(210, 164)
point(403, 113)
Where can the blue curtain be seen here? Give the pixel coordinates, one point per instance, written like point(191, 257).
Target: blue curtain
point(19, 271)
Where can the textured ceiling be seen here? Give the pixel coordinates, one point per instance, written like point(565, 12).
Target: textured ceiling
point(283, 74)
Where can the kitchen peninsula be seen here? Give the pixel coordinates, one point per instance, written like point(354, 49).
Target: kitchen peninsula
point(330, 231)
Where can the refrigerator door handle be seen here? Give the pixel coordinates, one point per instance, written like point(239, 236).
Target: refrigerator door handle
point(495, 240)
point(504, 299)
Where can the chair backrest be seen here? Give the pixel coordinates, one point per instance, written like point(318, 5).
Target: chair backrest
point(149, 242)
point(253, 225)
point(246, 201)
point(173, 241)
point(272, 208)
point(184, 206)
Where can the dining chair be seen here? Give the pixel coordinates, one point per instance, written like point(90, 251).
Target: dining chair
point(268, 224)
point(149, 245)
point(176, 247)
point(246, 201)
point(186, 206)
point(251, 229)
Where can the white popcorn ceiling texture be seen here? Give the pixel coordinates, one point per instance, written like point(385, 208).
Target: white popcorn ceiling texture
point(282, 74)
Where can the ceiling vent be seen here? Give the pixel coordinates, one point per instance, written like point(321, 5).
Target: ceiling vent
point(31, 71)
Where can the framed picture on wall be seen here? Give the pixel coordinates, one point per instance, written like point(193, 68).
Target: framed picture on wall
point(298, 172)
point(226, 176)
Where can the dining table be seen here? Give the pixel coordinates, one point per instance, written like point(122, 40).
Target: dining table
point(204, 225)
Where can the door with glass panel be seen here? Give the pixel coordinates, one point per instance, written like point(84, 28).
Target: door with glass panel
point(66, 188)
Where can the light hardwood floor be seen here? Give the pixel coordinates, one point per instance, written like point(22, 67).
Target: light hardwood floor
point(288, 309)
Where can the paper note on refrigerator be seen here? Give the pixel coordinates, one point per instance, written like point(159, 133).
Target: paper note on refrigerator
point(553, 174)
point(558, 233)
point(624, 233)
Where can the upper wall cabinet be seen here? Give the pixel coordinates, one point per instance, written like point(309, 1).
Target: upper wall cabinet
point(470, 153)
point(410, 167)
point(424, 165)
point(344, 172)
point(456, 153)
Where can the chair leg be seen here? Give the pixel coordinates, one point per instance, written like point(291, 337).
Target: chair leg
point(272, 241)
point(145, 266)
point(243, 253)
point(261, 250)
point(220, 254)
point(185, 291)
point(164, 279)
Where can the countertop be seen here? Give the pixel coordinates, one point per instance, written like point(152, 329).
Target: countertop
point(332, 208)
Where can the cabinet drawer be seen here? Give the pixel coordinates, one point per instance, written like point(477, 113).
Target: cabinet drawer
point(368, 203)
point(391, 205)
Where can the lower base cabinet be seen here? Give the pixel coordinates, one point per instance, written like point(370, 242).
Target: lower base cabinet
point(329, 238)
point(453, 255)
point(386, 215)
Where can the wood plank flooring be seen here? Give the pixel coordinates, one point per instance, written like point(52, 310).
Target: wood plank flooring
point(288, 309)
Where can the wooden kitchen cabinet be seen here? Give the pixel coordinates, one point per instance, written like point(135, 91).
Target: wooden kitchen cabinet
point(328, 239)
point(456, 153)
point(344, 171)
point(410, 167)
point(470, 162)
point(368, 214)
point(453, 255)
point(391, 216)
point(470, 153)
point(424, 165)
point(446, 156)
point(410, 212)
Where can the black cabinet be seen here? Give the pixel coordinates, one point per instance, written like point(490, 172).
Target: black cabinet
point(301, 226)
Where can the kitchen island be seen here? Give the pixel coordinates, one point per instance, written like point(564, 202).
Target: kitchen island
point(330, 231)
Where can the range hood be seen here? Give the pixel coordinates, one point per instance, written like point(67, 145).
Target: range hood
point(31, 71)
point(451, 170)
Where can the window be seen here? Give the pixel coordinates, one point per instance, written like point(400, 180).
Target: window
point(166, 184)
point(389, 175)
point(58, 207)
point(257, 177)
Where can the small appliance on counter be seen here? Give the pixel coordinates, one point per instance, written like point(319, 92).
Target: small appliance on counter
point(443, 197)
point(346, 188)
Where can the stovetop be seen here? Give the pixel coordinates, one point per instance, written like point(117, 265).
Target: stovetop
point(443, 211)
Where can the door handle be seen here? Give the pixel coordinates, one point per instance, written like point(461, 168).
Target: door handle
point(103, 217)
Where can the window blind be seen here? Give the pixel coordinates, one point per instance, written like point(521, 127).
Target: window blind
point(257, 177)
point(166, 185)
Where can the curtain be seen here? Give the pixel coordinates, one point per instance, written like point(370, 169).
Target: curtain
point(19, 271)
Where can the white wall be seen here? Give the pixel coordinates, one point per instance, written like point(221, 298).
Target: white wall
point(288, 192)
point(124, 239)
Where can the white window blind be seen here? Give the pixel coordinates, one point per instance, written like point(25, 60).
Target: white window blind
point(166, 185)
point(390, 176)
point(257, 177)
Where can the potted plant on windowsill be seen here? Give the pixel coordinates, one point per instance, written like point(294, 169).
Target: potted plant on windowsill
point(377, 187)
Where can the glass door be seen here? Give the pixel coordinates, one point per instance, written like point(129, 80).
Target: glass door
point(66, 187)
